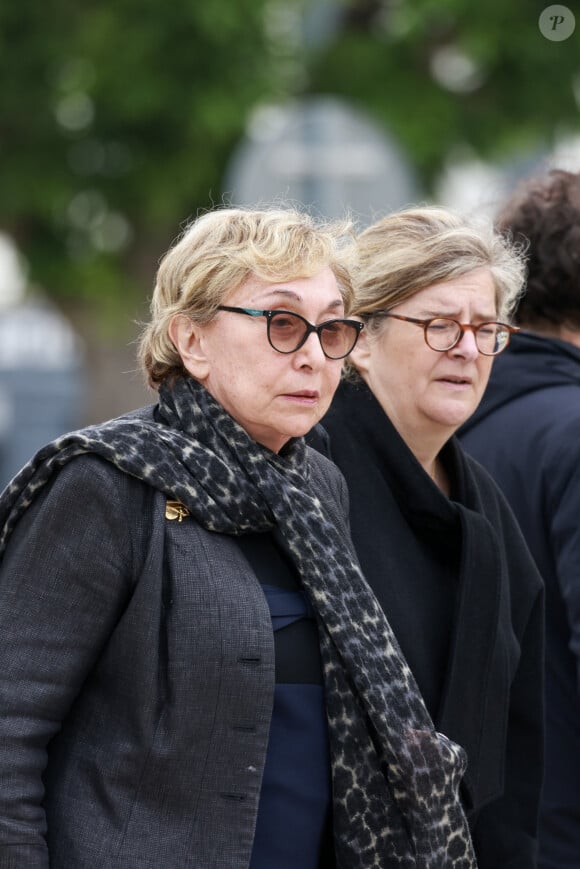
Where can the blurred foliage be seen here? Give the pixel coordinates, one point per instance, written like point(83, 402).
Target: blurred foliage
point(451, 75)
point(118, 118)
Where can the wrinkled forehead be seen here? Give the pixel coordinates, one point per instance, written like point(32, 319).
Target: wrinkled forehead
point(320, 290)
point(474, 291)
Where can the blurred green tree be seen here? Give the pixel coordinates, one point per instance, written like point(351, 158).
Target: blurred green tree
point(448, 76)
point(117, 119)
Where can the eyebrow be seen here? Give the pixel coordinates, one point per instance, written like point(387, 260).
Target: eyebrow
point(429, 315)
point(293, 296)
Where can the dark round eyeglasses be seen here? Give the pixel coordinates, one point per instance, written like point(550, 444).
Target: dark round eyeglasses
point(287, 331)
point(443, 333)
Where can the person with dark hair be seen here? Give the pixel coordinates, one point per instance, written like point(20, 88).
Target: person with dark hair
point(526, 432)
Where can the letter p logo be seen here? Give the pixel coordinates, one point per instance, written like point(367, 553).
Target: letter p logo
point(557, 23)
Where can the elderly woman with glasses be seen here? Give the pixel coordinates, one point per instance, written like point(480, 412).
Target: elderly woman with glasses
point(193, 670)
point(435, 538)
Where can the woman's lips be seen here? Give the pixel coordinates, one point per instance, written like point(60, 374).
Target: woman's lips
point(455, 381)
point(304, 396)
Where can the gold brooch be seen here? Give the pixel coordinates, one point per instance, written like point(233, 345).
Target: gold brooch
point(176, 510)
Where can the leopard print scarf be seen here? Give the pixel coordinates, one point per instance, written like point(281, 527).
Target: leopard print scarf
point(395, 779)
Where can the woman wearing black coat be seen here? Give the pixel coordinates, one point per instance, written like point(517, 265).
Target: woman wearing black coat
point(460, 589)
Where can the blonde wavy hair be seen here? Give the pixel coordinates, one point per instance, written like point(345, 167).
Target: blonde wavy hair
point(407, 251)
point(218, 251)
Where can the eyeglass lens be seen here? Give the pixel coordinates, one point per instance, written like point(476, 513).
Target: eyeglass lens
point(491, 338)
point(287, 332)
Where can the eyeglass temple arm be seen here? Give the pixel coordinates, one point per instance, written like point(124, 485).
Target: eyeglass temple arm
point(251, 312)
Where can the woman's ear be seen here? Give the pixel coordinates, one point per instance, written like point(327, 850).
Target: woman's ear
point(360, 356)
point(188, 339)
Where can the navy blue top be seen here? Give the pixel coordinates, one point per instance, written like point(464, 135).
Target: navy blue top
point(293, 829)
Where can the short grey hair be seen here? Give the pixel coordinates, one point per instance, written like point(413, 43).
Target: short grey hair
point(407, 251)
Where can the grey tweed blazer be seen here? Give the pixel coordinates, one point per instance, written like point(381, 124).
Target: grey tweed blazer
point(136, 680)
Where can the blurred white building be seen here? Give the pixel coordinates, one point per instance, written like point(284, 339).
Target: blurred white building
point(41, 368)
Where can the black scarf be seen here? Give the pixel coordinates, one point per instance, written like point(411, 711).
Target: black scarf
point(395, 779)
point(389, 489)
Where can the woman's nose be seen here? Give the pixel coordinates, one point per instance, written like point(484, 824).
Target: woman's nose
point(467, 345)
point(311, 351)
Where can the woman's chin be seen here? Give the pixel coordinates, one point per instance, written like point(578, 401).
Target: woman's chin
point(454, 414)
